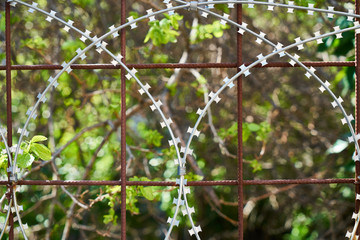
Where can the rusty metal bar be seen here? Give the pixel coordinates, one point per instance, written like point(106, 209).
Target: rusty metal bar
point(299, 181)
point(240, 142)
point(190, 183)
point(8, 106)
point(123, 123)
point(357, 106)
point(179, 65)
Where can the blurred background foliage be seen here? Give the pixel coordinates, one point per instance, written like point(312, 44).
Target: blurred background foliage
point(288, 130)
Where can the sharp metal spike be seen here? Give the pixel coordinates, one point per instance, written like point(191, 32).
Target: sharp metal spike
point(317, 34)
point(338, 35)
point(330, 15)
point(351, 139)
point(334, 103)
point(186, 190)
point(350, 118)
point(169, 5)
point(3, 130)
point(245, 72)
point(175, 201)
point(191, 211)
point(349, 18)
point(12, 3)
point(132, 25)
point(310, 72)
point(289, 9)
point(52, 13)
point(259, 40)
point(178, 181)
point(158, 104)
point(29, 113)
point(300, 46)
point(222, 21)
point(115, 34)
point(67, 68)
point(177, 141)
point(322, 88)
point(34, 5)
point(250, 5)
point(264, 62)
point(271, 8)
point(82, 56)
point(114, 62)
point(67, 28)
point(212, 96)
point(176, 222)
point(149, 12)
point(168, 121)
point(85, 36)
point(241, 30)
point(356, 24)
point(196, 229)
point(204, 14)
point(210, 6)
point(43, 100)
point(147, 87)
point(279, 47)
point(311, 12)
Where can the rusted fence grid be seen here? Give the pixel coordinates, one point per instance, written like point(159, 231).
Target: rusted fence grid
point(128, 71)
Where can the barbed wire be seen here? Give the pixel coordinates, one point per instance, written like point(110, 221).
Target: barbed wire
point(100, 45)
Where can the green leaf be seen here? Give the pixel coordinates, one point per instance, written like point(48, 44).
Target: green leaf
point(256, 166)
point(25, 160)
point(3, 161)
point(41, 151)
point(38, 138)
point(338, 146)
point(2, 23)
point(254, 127)
point(148, 193)
point(162, 32)
point(151, 137)
point(111, 217)
point(208, 31)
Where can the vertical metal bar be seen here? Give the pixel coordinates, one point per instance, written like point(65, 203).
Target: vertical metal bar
point(239, 120)
point(357, 110)
point(8, 105)
point(123, 124)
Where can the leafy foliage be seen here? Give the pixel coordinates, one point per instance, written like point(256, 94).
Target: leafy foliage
point(31, 151)
point(208, 31)
point(164, 31)
point(288, 130)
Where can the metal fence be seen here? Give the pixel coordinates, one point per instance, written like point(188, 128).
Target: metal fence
point(119, 63)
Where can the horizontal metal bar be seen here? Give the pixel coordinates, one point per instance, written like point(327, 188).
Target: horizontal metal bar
point(190, 183)
point(178, 65)
point(299, 181)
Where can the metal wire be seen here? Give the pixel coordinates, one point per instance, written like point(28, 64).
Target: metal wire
point(240, 182)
